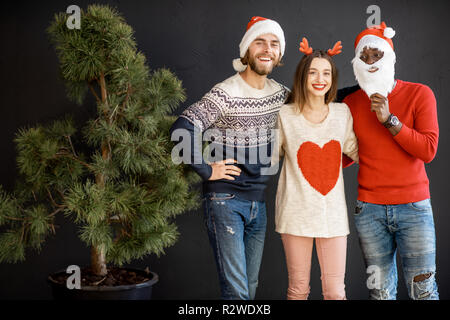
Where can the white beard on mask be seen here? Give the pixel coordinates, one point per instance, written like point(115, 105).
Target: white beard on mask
point(382, 81)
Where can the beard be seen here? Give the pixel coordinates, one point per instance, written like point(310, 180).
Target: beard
point(380, 81)
point(261, 69)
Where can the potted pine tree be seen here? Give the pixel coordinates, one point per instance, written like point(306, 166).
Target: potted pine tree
point(112, 175)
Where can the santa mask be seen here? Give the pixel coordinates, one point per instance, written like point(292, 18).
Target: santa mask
point(381, 81)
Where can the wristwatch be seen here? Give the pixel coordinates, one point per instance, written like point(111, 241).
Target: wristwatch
point(392, 121)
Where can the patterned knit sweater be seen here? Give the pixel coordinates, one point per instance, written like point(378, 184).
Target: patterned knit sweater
point(237, 119)
point(310, 200)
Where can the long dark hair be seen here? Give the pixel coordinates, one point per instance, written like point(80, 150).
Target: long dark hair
point(298, 94)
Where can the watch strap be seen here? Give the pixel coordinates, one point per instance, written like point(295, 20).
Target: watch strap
point(388, 123)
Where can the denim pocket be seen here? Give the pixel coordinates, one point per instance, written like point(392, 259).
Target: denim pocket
point(359, 208)
point(221, 196)
point(423, 205)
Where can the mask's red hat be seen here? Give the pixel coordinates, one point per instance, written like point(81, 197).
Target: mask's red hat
point(379, 36)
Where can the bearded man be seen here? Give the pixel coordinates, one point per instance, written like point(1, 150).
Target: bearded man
point(238, 114)
point(397, 129)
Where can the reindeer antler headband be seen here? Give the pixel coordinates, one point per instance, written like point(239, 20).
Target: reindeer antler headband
point(306, 49)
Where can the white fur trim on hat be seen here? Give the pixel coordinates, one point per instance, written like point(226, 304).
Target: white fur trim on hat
point(373, 41)
point(238, 65)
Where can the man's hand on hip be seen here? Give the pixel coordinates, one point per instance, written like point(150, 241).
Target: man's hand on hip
point(223, 170)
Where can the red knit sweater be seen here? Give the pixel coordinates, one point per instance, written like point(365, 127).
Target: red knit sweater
point(391, 168)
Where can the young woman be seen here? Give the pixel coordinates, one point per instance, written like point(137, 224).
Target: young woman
point(310, 202)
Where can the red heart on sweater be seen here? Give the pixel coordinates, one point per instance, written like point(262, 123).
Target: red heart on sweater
point(320, 166)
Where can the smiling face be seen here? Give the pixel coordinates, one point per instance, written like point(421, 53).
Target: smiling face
point(370, 56)
point(264, 54)
point(319, 78)
point(316, 75)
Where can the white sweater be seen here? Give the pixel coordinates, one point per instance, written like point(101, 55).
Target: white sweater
point(310, 198)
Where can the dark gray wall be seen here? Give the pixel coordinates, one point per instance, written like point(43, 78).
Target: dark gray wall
point(198, 40)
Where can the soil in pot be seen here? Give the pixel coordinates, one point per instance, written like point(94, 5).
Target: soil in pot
point(118, 284)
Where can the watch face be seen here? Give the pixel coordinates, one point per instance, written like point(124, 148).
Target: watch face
point(394, 121)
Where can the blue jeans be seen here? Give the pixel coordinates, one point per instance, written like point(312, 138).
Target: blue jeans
point(383, 229)
point(236, 231)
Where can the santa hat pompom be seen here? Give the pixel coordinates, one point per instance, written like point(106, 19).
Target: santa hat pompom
point(238, 65)
point(389, 33)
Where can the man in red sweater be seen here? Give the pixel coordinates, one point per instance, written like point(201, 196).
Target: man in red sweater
point(396, 125)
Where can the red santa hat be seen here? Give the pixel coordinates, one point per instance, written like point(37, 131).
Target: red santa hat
point(256, 27)
point(378, 36)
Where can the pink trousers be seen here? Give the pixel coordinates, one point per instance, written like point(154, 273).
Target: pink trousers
point(332, 254)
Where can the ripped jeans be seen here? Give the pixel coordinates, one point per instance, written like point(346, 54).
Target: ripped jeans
point(382, 229)
point(236, 230)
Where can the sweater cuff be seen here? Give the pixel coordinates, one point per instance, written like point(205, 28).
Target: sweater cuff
point(346, 161)
point(204, 171)
point(403, 134)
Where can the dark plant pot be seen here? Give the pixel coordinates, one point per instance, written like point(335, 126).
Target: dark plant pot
point(140, 291)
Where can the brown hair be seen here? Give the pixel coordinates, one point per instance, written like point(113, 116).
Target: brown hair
point(298, 92)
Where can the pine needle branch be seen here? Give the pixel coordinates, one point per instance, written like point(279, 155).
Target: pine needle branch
point(93, 92)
